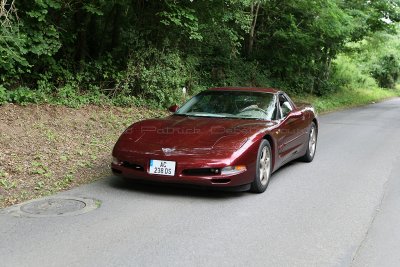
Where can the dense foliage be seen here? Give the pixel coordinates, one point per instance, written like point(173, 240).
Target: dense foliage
point(93, 51)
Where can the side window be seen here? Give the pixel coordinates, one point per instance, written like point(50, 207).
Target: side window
point(285, 106)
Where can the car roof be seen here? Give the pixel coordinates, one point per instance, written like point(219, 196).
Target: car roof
point(252, 89)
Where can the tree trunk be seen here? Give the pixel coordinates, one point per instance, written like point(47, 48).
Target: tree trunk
point(254, 9)
point(82, 20)
point(116, 26)
point(323, 72)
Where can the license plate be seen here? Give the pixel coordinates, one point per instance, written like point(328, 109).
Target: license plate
point(162, 167)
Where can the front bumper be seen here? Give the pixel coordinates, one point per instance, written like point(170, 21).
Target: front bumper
point(138, 170)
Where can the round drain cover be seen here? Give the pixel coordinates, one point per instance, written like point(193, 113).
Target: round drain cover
point(53, 207)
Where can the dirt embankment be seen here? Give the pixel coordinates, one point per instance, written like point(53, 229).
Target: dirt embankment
point(45, 149)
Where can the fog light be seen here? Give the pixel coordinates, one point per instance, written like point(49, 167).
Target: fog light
point(233, 170)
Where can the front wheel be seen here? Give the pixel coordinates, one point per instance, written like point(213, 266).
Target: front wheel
point(264, 168)
point(312, 144)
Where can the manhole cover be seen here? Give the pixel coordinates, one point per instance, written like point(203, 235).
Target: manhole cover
point(53, 207)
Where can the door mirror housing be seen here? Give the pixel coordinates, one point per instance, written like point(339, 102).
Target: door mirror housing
point(296, 114)
point(173, 108)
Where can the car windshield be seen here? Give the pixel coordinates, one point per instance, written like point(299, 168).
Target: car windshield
point(231, 104)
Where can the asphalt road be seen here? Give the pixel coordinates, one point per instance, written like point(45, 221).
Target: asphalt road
point(341, 210)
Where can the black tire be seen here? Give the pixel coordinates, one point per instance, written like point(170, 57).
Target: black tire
point(310, 152)
point(260, 183)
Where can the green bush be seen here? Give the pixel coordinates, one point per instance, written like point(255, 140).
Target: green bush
point(348, 75)
point(23, 96)
point(70, 96)
point(157, 76)
point(4, 96)
point(386, 71)
point(246, 73)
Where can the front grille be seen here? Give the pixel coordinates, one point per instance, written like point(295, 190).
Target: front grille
point(133, 166)
point(201, 172)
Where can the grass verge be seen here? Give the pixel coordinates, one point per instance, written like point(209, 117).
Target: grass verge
point(348, 98)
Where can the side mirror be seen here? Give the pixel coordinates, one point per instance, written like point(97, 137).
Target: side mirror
point(173, 108)
point(296, 114)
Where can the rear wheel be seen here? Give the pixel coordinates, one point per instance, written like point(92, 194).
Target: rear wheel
point(312, 144)
point(264, 168)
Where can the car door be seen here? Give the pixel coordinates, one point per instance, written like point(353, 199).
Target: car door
point(290, 132)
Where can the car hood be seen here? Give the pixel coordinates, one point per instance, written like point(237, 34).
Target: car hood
point(185, 134)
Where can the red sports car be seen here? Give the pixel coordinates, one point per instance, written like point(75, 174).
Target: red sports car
point(222, 137)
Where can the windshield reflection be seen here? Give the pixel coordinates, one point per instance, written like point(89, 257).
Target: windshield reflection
point(231, 104)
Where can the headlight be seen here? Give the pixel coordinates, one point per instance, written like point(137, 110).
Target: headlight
point(116, 161)
point(233, 170)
